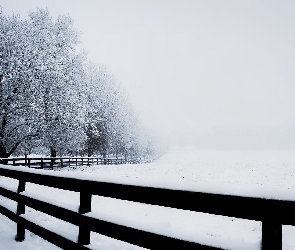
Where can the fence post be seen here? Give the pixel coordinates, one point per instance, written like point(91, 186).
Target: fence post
point(29, 163)
point(52, 162)
point(69, 162)
point(271, 235)
point(82, 161)
point(13, 162)
point(20, 236)
point(42, 165)
point(85, 207)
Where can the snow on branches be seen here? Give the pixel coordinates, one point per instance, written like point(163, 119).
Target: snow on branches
point(55, 101)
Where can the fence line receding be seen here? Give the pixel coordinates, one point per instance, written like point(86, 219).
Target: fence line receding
point(50, 162)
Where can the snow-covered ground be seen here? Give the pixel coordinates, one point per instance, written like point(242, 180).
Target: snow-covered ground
point(268, 174)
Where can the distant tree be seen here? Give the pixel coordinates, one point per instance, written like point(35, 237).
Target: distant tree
point(99, 105)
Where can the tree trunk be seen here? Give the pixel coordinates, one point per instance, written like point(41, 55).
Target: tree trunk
point(89, 150)
point(53, 155)
point(3, 153)
point(52, 152)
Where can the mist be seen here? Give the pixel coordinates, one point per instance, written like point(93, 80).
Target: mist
point(209, 74)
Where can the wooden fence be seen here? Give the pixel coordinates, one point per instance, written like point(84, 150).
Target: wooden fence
point(49, 162)
point(272, 213)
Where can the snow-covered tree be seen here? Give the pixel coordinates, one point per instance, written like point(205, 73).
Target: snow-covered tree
point(41, 88)
point(51, 98)
point(100, 90)
point(58, 72)
point(17, 102)
point(112, 127)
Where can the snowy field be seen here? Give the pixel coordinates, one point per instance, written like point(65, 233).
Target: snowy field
point(269, 174)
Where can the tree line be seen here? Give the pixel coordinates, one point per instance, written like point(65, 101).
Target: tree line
point(54, 101)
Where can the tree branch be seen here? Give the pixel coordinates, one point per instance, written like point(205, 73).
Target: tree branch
point(16, 127)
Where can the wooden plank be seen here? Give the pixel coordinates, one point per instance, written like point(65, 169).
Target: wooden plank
point(45, 207)
point(51, 237)
point(141, 238)
point(227, 205)
point(124, 233)
point(8, 213)
point(127, 234)
point(58, 212)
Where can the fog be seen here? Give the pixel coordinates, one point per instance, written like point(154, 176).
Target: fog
point(210, 74)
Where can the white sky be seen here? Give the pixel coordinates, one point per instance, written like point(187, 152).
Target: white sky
point(216, 74)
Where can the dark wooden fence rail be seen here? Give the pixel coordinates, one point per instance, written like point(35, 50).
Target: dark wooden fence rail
point(66, 161)
point(272, 213)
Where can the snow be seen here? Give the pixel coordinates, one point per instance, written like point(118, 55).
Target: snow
point(250, 173)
